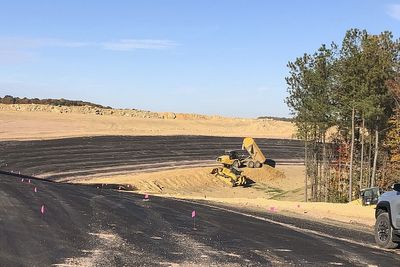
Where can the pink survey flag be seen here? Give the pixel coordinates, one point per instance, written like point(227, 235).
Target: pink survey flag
point(22, 180)
point(146, 196)
point(193, 214)
point(42, 209)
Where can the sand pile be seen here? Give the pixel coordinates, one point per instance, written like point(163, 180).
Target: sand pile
point(196, 182)
point(84, 110)
point(31, 121)
point(134, 113)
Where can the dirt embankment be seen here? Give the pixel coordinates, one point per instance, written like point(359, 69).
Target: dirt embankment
point(133, 113)
point(196, 182)
point(279, 190)
point(33, 121)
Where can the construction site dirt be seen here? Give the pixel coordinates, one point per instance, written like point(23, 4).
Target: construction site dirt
point(70, 158)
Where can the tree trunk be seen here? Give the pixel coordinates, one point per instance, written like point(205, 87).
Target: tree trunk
point(306, 171)
point(325, 169)
point(373, 179)
point(351, 157)
point(311, 171)
point(369, 161)
point(362, 154)
point(315, 172)
point(320, 178)
point(315, 167)
point(328, 185)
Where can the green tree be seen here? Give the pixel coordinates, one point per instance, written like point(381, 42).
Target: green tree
point(309, 85)
point(365, 63)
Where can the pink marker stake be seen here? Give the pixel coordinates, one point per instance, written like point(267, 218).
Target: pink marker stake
point(35, 190)
point(42, 210)
point(194, 219)
point(29, 181)
point(22, 180)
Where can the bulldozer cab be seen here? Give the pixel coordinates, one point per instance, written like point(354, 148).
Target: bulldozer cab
point(235, 170)
point(237, 154)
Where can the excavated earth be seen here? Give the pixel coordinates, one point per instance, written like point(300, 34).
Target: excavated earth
point(71, 158)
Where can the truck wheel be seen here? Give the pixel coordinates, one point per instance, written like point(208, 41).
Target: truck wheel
point(257, 164)
point(250, 164)
point(384, 231)
point(236, 164)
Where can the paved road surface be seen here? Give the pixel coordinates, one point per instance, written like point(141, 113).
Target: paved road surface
point(77, 157)
point(84, 225)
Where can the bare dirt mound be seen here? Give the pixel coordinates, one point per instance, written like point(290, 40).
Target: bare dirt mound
point(33, 121)
point(197, 182)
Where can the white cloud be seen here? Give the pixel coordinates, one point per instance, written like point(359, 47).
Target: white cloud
point(24, 43)
point(133, 44)
point(17, 50)
point(119, 45)
point(394, 11)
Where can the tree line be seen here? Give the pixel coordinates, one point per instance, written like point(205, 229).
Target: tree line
point(54, 102)
point(345, 99)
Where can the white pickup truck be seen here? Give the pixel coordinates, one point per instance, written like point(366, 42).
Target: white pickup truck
point(387, 214)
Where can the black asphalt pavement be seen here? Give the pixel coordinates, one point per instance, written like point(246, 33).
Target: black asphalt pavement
point(82, 225)
point(86, 226)
point(69, 158)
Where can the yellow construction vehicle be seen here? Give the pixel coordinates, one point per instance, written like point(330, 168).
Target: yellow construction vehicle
point(253, 158)
point(235, 158)
point(230, 175)
point(257, 158)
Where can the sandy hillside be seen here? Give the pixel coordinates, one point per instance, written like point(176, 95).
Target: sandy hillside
point(199, 182)
point(277, 190)
point(31, 121)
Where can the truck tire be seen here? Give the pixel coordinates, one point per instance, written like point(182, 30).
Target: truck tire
point(250, 164)
point(384, 231)
point(257, 164)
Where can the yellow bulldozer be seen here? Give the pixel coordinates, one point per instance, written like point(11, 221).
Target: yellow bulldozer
point(230, 175)
point(232, 160)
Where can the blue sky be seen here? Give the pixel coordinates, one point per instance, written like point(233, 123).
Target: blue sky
point(210, 57)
